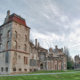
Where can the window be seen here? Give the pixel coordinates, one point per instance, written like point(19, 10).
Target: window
point(6, 69)
point(25, 69)
point(6, 57)
point(1, 69)
point(8, 44)
point(19, 47)
point(19, 57)
point(14, 69)
point(25, 47)
point(30, 70)
point(25, 60)
point(0, 37)
point(8, 34)
point(15, 45)
point(33, 62)
point(0, 46)
point(25, 37)
point(15, 34)
point(19, 69)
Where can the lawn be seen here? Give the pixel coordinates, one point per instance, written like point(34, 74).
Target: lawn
point(64, 76)
point(44, 71)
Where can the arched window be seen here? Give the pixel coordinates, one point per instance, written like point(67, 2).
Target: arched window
point(25, 60)
point(6, 69)
point(8, 45)
point(15, 34)
point(0, 46)
point(6, 57)
point(8, 34)
point(14, 69)
point(0, 37)
point(1, 69)
point(25, 37)
point(15, 45)
point(19, 56)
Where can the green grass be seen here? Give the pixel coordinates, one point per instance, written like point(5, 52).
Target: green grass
point(44, 71)
point(65, 76)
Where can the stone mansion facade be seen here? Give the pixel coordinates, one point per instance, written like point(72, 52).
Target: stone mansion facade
point(19, 55)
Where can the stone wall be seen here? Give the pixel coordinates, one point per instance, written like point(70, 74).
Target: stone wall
point(4, 53)
point(21, 52)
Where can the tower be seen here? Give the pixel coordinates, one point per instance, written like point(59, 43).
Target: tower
point(14, 45)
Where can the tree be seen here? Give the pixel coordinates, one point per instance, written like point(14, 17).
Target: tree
point(70, 62)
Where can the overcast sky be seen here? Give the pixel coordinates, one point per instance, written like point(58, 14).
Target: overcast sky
point(53, 22)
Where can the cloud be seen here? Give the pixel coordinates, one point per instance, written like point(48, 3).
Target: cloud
point(51, 21)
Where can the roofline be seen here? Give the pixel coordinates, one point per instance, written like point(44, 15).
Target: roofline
point(12, 21)
point(17, 16)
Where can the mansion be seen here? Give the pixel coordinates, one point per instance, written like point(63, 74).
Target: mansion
point(19, 55)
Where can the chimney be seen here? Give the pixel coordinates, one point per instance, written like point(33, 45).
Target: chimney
point(56, 47)
point(62, 49)
point(7, 17)
point(8, 13)
point(36, 43)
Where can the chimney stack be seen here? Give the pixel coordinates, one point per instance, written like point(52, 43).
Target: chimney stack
point(56, 47)
point(8, 13)
point(7, 17)
point(36, 44)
